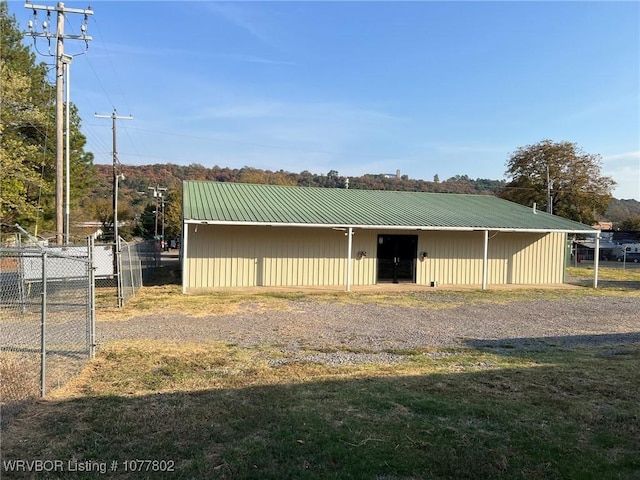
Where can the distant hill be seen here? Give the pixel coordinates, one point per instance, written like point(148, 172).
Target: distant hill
point(138, 178)
point(134, 187)
point(620, 210)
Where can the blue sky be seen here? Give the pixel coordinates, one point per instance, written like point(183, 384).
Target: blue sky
point(447, 88)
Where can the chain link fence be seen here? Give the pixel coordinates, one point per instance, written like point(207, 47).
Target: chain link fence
point(47, 321)
point(130, 270)
point(119, 277)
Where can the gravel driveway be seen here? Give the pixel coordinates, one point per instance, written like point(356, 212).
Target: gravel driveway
point(374, 329)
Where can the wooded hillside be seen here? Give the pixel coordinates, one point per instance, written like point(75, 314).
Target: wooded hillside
point(135, 193)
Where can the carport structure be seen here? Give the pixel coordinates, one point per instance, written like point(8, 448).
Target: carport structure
point(245, 235)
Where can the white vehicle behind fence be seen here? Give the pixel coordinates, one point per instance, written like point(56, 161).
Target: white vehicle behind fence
point(629, 252)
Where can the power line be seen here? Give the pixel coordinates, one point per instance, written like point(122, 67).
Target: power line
point(120, 90)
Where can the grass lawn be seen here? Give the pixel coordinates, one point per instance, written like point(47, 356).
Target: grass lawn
point(221, 411)
point(169, 298)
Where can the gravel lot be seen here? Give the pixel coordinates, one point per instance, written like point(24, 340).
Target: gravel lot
point(365, 332)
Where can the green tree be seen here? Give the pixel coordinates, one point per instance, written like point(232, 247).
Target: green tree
point(148, 222)
point(631, 224)
point(24, 126)
point(577, 188)
point(173, 214)
point(27, 136)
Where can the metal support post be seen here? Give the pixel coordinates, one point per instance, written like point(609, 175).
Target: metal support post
point(43, 330)
point(349, 259)
point(92, 300)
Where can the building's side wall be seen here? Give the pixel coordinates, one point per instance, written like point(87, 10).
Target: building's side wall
point(237, 256)
point(455, 258)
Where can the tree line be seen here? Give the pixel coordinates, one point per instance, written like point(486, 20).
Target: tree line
point(135, 187)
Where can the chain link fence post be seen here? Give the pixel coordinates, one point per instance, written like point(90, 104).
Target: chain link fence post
point(43, 329)
point(91, 269)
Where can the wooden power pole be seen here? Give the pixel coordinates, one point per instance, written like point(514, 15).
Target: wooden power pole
point(60, 37)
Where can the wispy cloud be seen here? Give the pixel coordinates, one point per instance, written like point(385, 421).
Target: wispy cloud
point(329, 112)
point(239, 57)
point(247, 18)
point(626, 156)
point(600, 107)
point(452, 149)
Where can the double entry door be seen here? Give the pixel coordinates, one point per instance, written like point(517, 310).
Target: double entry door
point(397, 256)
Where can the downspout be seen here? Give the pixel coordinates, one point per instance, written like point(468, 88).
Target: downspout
point(596, 261)
point(349, 246)
point(485, 255)
point(183, 247)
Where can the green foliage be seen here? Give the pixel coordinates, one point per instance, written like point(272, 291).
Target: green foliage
point(25, 126)
point(173, 214)
point(578, 189)
point(631, 224)
point(27, 136)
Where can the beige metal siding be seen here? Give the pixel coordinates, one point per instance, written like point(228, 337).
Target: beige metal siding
point(246, 256)
point(236, 256)
point(455, 258)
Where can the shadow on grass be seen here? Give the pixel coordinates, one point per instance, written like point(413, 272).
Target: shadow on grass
point(511, 345)
point(613, 284)
point(166, 275)
point(574, 415)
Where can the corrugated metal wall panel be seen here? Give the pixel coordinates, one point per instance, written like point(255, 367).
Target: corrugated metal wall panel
point(236, 256)
point(455, 258)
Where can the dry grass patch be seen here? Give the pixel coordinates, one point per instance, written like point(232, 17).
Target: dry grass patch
point(154, 300)
point(170, 299)
point(16, 380)
point(221, 411)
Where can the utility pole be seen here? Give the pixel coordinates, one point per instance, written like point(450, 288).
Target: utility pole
point(116, 177)
point(158, 193)
point(549, 197)
point(116, 172)
point(60, 37)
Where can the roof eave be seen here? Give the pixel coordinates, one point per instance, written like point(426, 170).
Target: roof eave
point(392, 227)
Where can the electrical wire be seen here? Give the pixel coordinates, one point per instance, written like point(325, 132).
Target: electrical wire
point(118, 83)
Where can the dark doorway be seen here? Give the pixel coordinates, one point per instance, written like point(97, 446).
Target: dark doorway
point(397, 258)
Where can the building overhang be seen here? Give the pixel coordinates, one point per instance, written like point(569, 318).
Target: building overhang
point(432, 228)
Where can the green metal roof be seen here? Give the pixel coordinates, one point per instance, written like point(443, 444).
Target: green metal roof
point(242, 203)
